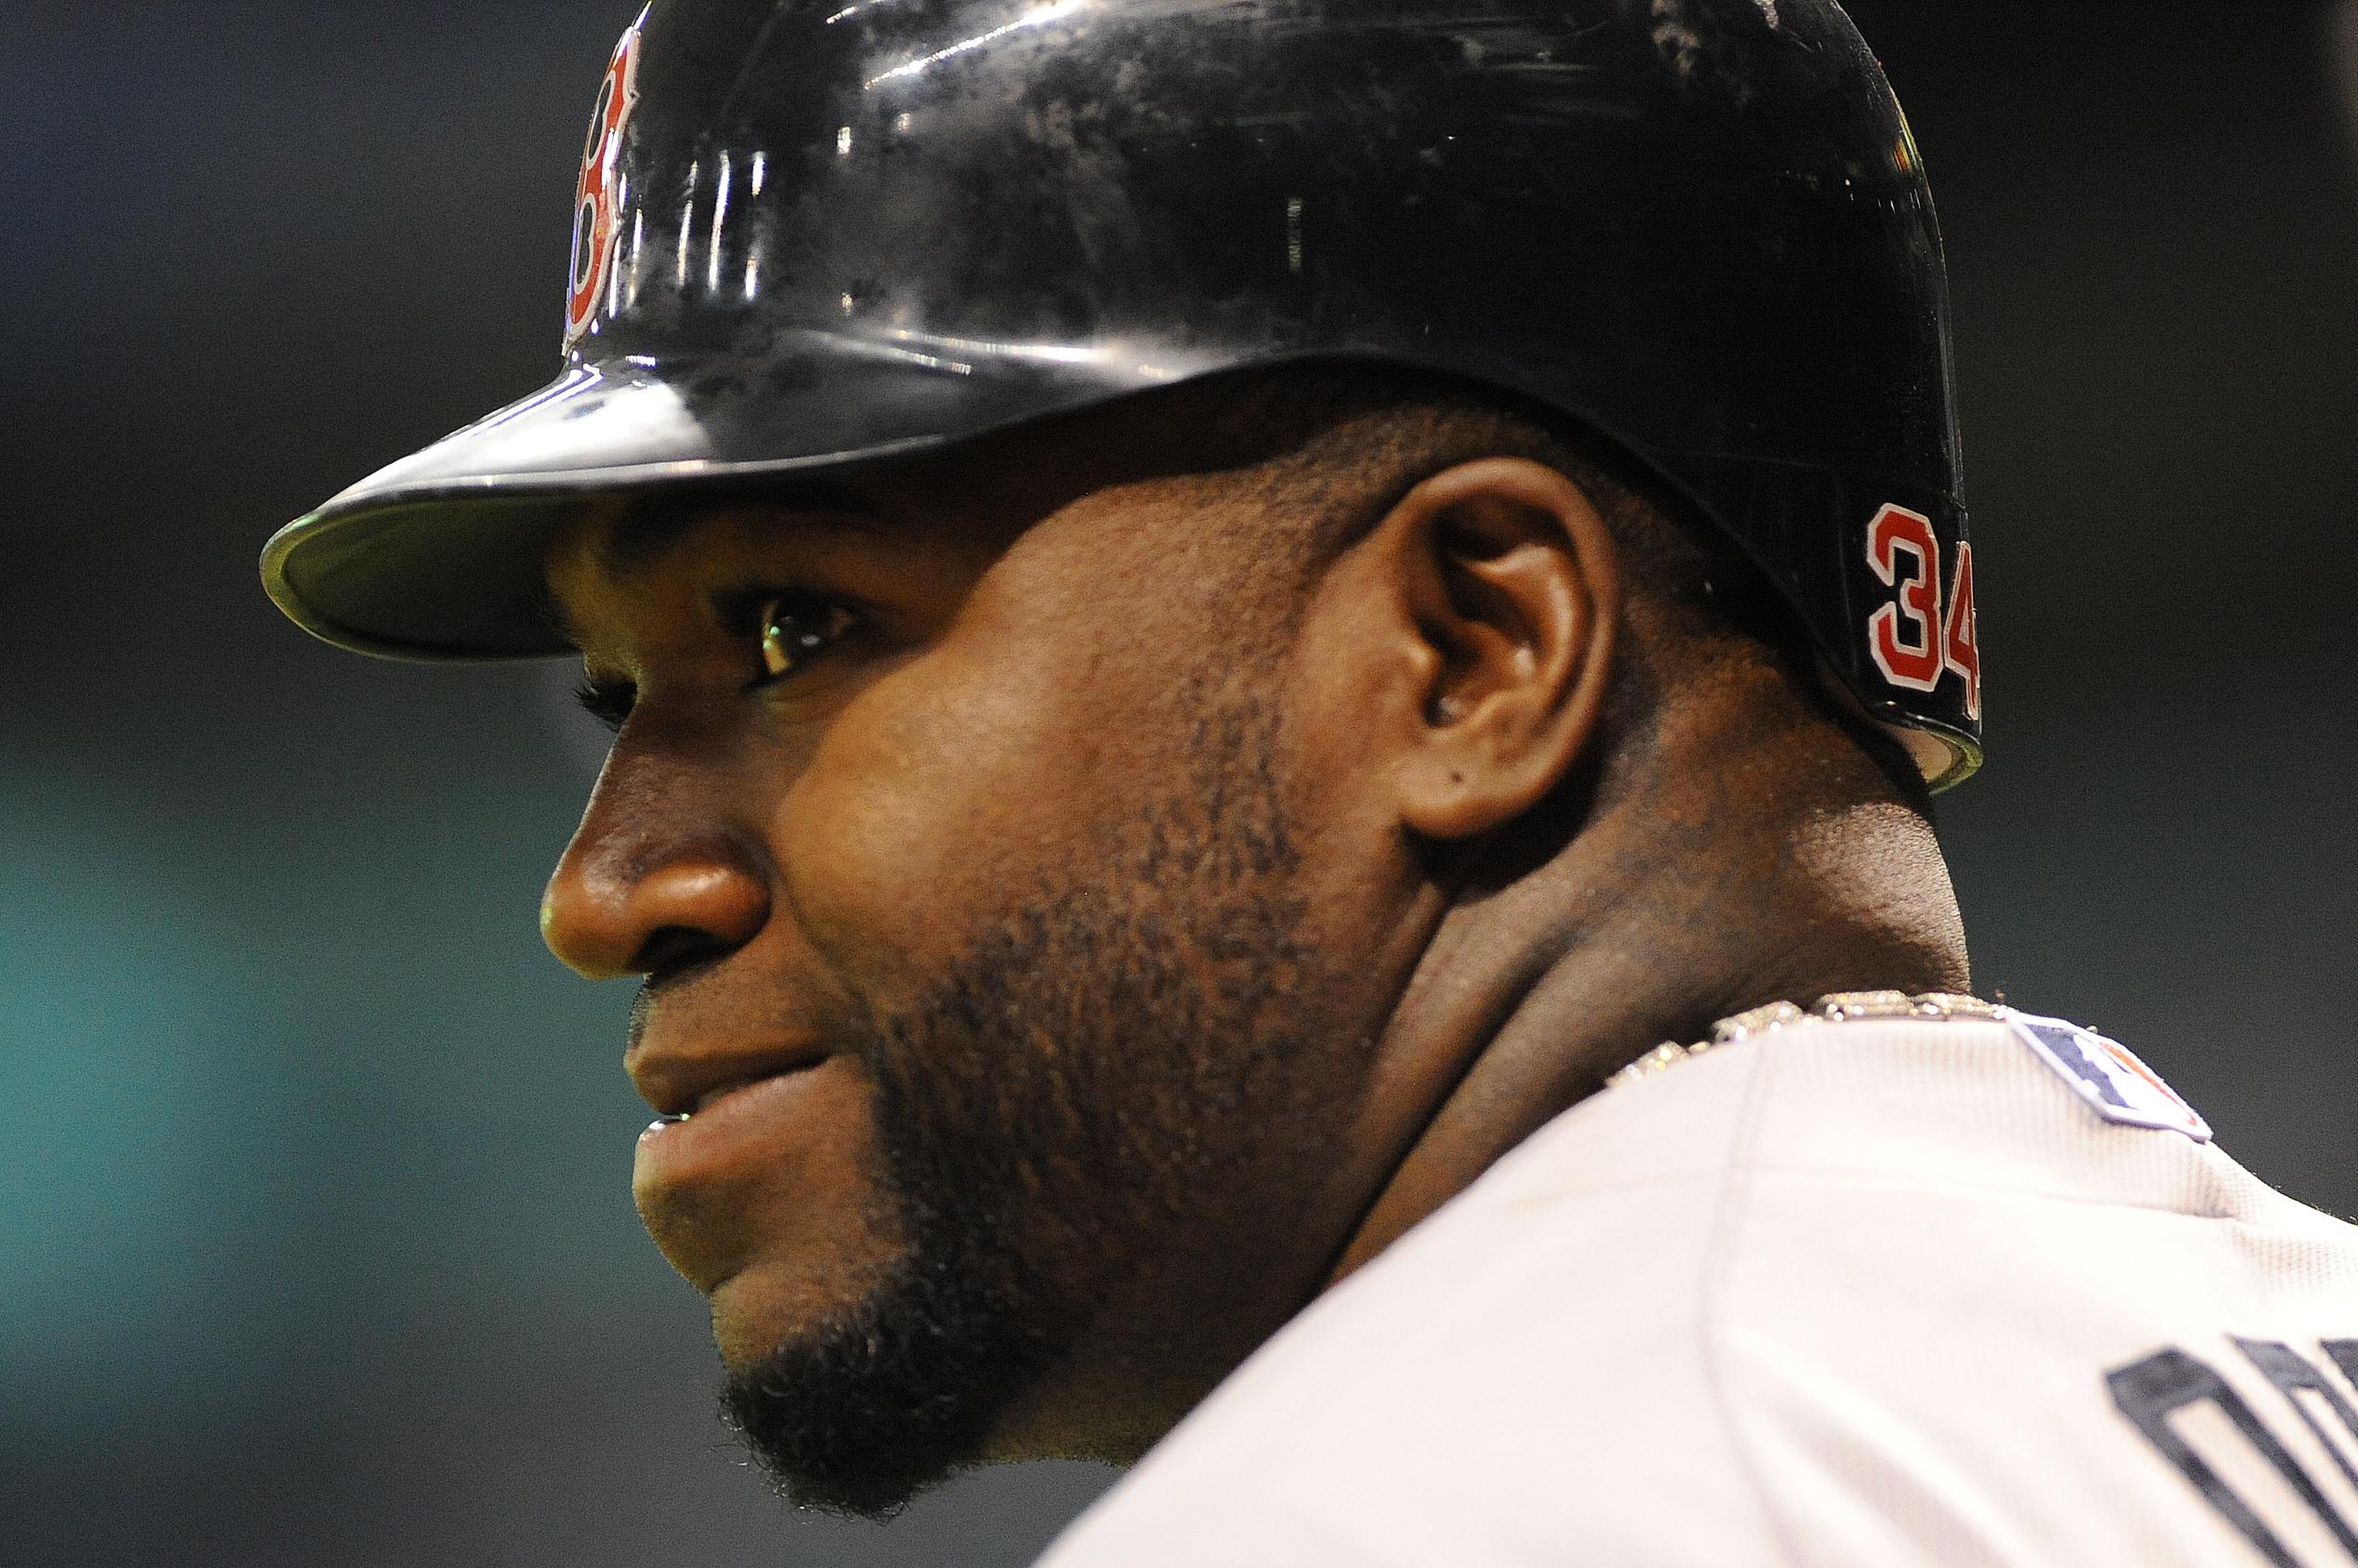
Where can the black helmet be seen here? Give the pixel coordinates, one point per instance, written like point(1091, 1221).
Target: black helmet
point(814, 231)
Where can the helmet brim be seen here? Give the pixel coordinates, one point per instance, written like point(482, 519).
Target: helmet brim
point(441, 556)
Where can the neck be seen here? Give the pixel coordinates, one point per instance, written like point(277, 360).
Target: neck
point(1749, 852)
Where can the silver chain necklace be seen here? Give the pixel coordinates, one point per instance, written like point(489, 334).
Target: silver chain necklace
point(1842, 1006)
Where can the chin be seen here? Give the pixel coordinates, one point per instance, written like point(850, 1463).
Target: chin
point(749, 1332)
point(889, 1397)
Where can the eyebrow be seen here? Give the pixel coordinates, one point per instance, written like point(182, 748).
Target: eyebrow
point(655, 524)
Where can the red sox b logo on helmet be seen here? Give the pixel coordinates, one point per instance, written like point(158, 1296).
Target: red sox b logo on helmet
point(597, 200)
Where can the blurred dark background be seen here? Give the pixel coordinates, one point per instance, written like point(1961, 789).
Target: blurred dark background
point(316, 1242)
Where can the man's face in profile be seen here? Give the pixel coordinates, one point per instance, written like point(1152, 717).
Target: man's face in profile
point(953, 821)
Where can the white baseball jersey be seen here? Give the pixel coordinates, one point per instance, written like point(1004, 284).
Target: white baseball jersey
point(1859, 1293)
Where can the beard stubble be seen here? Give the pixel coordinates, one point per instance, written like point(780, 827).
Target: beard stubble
point(1130, 1067)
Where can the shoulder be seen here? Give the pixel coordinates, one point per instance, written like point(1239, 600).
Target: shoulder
point(1837, 1294)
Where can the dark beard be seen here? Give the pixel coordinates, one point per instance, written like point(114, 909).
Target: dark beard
point(892, 1397)
point(1118, 1074)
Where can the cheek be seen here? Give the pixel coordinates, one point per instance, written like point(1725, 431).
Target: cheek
point(936, 801)
point(1011, 757)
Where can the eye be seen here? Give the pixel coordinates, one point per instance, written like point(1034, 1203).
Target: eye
point(607, 701)
point(797, 627)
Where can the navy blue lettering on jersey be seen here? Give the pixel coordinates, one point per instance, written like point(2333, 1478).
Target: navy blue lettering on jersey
point(2148, 1392)
point(2294, 1377)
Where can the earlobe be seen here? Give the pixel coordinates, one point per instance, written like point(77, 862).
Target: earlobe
point(1511, 585)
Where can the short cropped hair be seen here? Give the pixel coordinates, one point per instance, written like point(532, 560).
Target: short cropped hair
point(1338, 443)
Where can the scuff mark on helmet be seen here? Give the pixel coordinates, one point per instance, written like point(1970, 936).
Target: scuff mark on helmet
point(1706, 45)
point(1676, 37)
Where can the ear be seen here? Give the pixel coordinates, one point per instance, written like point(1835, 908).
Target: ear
point(1506, 593)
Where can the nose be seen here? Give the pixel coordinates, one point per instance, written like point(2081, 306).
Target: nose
point(628, 898)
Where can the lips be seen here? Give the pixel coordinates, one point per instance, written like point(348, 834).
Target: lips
point(735, 1101)
point(707, 1098)
point(726, 1119)
point(742, 1129)
point(769, 1171)
point(686, 1082)
point(761, 1157)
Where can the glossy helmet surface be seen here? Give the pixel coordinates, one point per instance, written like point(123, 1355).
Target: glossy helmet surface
point(811, 232)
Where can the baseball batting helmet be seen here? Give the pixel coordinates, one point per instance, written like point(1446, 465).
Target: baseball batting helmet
point(811, 232)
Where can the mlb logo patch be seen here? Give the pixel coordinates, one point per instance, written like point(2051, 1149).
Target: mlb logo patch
point(2108, 1075)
